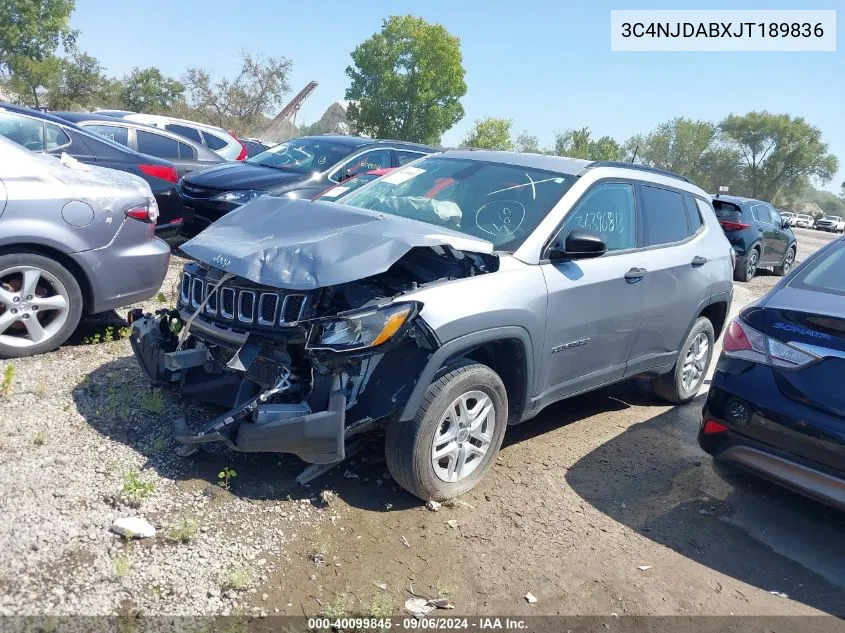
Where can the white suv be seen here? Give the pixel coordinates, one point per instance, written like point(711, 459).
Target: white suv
point(214, 138)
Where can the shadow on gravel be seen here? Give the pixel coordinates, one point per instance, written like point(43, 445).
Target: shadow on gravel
point(119, 403)
point(655, 479)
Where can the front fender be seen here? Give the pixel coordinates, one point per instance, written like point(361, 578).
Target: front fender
point(456, 347)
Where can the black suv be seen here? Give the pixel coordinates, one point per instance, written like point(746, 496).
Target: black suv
point(299, 168)
point(760, 237)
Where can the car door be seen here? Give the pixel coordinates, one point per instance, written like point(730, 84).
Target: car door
point(763, 220)
point(780, 238)
point(166, 147)
point(679, 274)
point(593, 310)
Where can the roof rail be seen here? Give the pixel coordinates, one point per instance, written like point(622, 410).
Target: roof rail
point(635, 166)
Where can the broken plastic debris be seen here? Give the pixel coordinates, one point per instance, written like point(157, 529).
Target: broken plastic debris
point(418, 607)
point(644, 567)
point(350, 475)
point(530, 598)
point(405, 542)
point(779, 594)
point(381, 585)
point(432, 505)
point(452, 523)
point(133, 527)
point(440, 603)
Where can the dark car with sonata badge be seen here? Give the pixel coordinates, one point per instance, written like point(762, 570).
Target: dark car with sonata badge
point(299, 168)
point(776, 404)
point(758, 234)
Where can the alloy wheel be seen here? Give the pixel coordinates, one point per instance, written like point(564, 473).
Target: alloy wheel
point(751, 264)
point(463, 436)
point(695, 363)
point(790, 259)
point(34, 306)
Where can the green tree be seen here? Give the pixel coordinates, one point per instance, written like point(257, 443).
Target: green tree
point(490, 133)
point(239, 102)
point(29, 78)
point(580, 144)
point(525, 142)
point(80, 83)
point(147, 90)
point(777, 153)
point(33, 29)
point(683, 146)
point(407, 81)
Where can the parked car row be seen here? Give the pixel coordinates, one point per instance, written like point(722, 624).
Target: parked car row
point(341, 284)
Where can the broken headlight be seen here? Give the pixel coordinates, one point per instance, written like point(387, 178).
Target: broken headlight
point(238, 197)
point(360, 330)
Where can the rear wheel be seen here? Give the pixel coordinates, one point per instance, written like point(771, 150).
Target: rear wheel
point(788, 262)
point(40, 304)
point(746, 267)
point(681, 384)
point(454, 437)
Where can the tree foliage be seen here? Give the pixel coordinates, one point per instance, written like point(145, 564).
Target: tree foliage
point(525, 142)
point(261, 85)
point(777, 152)
point(34, 29)
point(147, 90)
point(490, 133)
point(407, 81)
point(580, 144)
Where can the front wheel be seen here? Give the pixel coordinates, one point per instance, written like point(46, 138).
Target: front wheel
point(681, 384)
point(454, 437)
point(40, 304)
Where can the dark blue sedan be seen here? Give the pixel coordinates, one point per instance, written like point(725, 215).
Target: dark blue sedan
point(777, 400)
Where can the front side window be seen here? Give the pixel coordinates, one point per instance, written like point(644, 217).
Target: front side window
point(608, 210)
point(303, 155)
point(664, 216)
point(368, 161)
point(111, 132)
point(22, 130)
point(493, 201)
point(761, 213)
point(157, 145)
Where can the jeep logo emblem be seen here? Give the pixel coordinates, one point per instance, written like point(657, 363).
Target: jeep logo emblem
point(221, 261)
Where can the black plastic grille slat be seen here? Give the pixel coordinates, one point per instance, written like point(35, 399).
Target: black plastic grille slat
point(267, 305)
point(292, 309)
point(227, 302)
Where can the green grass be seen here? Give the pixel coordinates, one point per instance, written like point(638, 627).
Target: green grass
point(237, 578)
point(122, 565)
point(184, 531)
point(382, 605)
point(40, 438)
point(337, 608)
point(135, 488)
point(8, 377)
point(153, 402)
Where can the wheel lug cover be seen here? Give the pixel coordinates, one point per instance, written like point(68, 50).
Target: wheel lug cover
point(17, 299)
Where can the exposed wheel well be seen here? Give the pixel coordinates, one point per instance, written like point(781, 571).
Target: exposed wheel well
point(716, 313)
point(64, 260)
point(507, 358)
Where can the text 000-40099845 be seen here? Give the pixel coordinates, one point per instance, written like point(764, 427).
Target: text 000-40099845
point(710, 30)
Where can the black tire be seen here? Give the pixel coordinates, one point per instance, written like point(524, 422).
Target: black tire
point(788, 263)
point(74, 294)
point(746, 267)
point(670, 386)
point(408, 445)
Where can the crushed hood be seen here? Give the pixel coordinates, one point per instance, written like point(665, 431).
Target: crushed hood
point(303, 245)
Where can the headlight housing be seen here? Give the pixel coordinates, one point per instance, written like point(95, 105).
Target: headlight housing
point(361, 330)
point(238, 197)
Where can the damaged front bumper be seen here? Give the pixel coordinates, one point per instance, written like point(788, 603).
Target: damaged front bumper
point(269, 410)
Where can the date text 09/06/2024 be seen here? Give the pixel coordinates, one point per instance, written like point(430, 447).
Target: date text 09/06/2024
point(409, 623)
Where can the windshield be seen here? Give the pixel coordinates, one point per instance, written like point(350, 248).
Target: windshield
point(832, 218)
point(493, 201)
point(303, 155)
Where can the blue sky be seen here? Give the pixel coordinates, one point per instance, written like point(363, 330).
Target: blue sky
point(542, 63)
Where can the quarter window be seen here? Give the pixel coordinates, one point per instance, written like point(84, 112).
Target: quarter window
point(54, 137)
point(693, 214)
point(213, 142)
point(186, 151)
point(184, 130)
point(608, 210)
point(664, 216)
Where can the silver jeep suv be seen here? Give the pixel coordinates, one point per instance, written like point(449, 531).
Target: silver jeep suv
point(444, 301)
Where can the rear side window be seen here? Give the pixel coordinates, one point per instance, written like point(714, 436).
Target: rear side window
point(184, 130)
point(214, 142)
point(825, 273)
point(693, 214)
point(54, 137)
point(186, 151)
point(157, 145)
point(406, 157)
point(111, 132)
point(664, 216)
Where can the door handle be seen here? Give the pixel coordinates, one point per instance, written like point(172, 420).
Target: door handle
point(635, 274)
point(698, 260)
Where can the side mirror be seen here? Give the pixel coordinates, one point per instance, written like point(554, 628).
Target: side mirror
point(579, 244)
point(784, 224)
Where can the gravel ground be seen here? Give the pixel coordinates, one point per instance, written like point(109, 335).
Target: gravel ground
point(603, 505)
